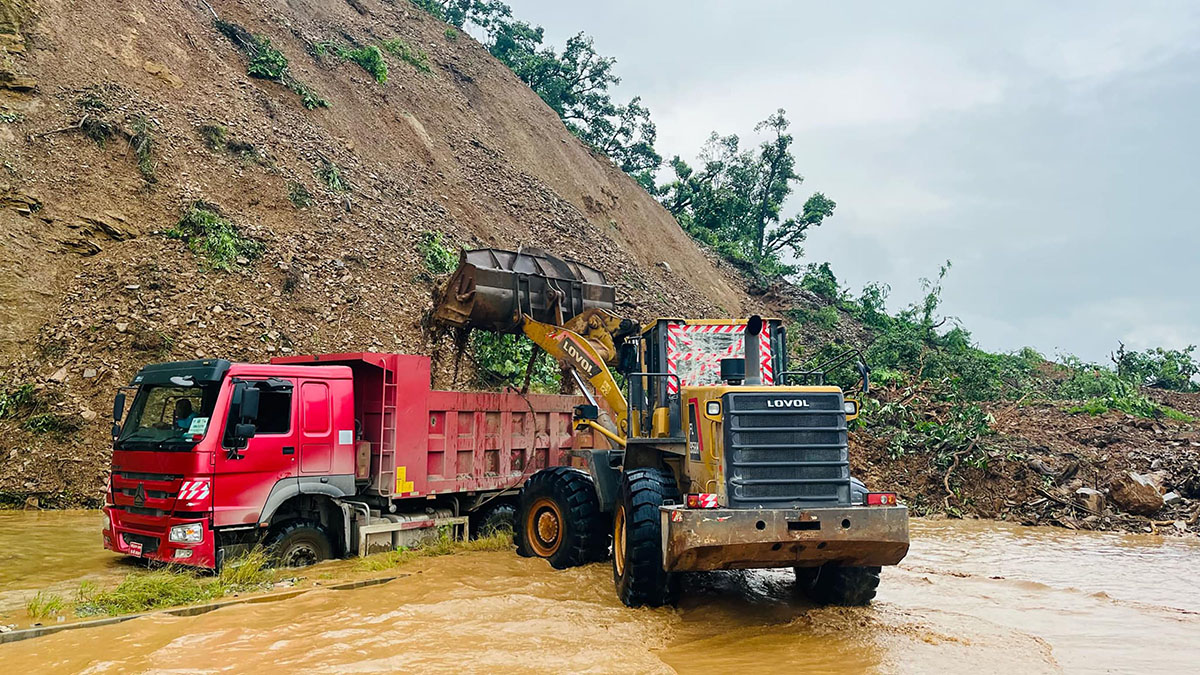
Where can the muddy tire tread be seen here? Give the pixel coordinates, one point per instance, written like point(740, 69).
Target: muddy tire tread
point(837, 585)
point(643, 490)
point(586, 533)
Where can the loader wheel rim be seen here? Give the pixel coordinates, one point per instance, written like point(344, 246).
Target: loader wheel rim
point(619, 540)
point(545, 527)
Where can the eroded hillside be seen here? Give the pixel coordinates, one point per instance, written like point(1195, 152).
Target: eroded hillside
point(122, 117)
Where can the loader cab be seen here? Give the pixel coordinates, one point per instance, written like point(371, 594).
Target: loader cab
point(673, 354)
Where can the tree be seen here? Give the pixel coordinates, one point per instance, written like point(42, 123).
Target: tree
point(735, 201)
point(575, 83)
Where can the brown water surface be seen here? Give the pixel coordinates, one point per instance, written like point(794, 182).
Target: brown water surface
point(971, 596)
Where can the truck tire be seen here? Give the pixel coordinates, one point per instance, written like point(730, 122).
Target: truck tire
point(299, 543)
point(838, 585)
point(494, 518)
point(559, 519)
point(637, 538)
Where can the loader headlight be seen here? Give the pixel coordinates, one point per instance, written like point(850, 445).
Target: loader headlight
point(713, 408)
point(192, 533)
point(850, 406)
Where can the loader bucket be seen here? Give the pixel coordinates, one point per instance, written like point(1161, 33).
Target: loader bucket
point(493, 288)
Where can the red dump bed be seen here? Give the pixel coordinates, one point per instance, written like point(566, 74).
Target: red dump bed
point(415, 441)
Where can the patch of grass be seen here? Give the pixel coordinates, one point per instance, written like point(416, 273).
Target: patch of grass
point(91, 100)
point(1177, 415)
point(52, 423)
point(331, 177)
point(308, 98)
point(1094, 407)
point(174, 586)
point(444, 544)
point(153, 342)
point(212, 236)
point(435, 255)
point(214, 136)
point(371, 60)
point(299, 195)
point(142, 142)
point(17, 400)
point(368, 58)
point(44, 605)
point(101, 131)
point(11, 117)
point(451, 34)
point(825, 317)
point(268, 63)
point(414, 57)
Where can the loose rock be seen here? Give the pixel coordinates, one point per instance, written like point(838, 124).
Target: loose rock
point(1135, 494)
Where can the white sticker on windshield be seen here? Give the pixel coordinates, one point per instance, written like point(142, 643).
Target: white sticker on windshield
point(345, 436)
point(199, 426)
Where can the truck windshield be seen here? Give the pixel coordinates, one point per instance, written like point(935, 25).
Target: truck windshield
point(168, 417)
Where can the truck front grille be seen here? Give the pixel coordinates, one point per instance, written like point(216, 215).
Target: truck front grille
point(785, 449)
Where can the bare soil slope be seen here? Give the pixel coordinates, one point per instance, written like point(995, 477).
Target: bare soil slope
point(90, 288)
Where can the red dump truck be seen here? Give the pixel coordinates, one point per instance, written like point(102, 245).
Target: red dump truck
point(317, 456)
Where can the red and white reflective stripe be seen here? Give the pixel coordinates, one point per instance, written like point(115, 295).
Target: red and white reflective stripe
point(193, 491)
point(679, 348)
point(708, 500)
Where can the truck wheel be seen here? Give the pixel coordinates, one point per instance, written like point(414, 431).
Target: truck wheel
point(559, 519)
point(637, 538)
point(837, 585)
point(494, 518)
point(299, 543)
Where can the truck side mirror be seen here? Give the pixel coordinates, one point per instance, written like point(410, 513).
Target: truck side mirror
point(245, 431)
point(249, 408)
point(118, 407)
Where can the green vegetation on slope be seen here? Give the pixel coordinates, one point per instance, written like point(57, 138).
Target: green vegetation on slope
point(575, 82)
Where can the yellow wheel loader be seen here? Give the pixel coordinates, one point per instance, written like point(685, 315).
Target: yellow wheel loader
point(717, 457)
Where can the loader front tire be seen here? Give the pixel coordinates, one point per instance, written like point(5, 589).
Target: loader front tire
point(838, 585)
point(637, 538)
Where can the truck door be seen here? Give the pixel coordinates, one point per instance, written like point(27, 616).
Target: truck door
point(316, 428)
point(245, 476)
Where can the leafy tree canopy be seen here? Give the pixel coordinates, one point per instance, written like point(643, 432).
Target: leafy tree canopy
point(734, 200)
point(575, 82)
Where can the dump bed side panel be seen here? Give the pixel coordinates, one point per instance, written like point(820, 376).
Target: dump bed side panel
point(488, 441)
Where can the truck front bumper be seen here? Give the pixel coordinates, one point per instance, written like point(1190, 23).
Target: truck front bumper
point(150, 539)
point(722, 539)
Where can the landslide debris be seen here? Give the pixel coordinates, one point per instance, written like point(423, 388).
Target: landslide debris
point(175, 187)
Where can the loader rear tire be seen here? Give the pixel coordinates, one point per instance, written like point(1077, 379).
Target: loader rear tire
point(637, 538)
point(559, 519)
point(838, 585)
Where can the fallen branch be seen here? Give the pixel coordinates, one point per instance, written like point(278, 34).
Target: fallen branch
point(1064, 502)
point(75, 127)
point(946, 479)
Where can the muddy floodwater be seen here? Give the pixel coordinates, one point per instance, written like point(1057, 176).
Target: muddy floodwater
point(972, 596)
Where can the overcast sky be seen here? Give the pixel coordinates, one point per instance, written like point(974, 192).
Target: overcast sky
point(1050, 152)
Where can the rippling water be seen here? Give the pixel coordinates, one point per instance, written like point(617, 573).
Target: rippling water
point(972, 595)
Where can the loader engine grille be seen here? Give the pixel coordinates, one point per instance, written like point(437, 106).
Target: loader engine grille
point(785, 449)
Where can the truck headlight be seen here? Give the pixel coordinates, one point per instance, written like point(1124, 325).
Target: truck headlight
point(192, 533)
point(106, 523)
